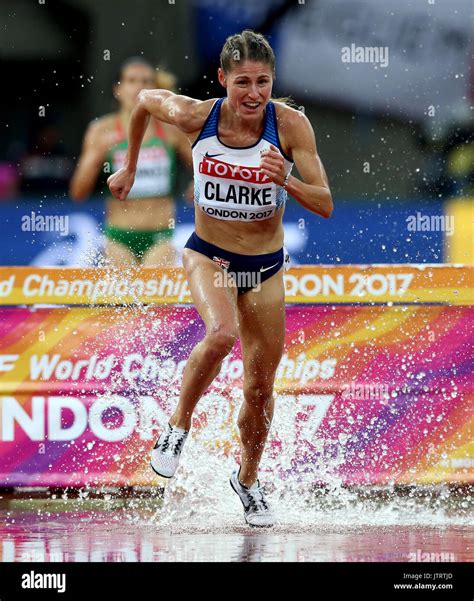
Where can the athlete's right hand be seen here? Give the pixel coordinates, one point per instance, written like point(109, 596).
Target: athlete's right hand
point(121, 182)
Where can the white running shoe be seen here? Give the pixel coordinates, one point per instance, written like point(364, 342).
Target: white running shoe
point(257, 512)
point(167, 451)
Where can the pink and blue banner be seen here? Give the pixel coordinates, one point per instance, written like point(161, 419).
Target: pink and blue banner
point(367, 394)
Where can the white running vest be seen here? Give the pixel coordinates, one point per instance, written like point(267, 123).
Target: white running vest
point(228, 183)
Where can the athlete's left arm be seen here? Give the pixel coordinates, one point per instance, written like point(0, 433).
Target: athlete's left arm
point(313, 192)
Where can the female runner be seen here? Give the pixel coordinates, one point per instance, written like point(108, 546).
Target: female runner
point(244, 146)
point(140, 229)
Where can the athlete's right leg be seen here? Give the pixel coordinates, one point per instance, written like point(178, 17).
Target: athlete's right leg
point(163, 254)
point(118, 255)
point(217, 305)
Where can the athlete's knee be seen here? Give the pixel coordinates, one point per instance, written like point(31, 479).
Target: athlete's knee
point(220, 340)
point(258, 394)
point(258, 405)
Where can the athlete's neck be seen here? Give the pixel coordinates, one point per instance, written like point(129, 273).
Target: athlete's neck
point(124, 116)
point(232, 120)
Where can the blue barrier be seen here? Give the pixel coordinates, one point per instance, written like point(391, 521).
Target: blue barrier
point(358, 232)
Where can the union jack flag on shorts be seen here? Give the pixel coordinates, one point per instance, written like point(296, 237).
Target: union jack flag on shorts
point(221, 262)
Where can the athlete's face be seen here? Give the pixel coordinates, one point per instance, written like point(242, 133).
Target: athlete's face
point(134, 78)
point(249, 88)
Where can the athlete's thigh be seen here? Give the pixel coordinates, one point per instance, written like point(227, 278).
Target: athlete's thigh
point(118, 255)
point(160, 255)
point(215, 302)
point(262, 327)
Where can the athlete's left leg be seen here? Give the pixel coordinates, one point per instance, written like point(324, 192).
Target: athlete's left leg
point(262, 337)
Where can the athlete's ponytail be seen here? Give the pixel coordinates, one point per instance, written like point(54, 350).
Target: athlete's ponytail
point(288, 100)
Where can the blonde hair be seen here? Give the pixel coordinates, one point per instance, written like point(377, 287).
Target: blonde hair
point(288, 100)
point(165, 80)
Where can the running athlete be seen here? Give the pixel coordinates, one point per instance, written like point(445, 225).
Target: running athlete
point(140, 229)
point(244, 146)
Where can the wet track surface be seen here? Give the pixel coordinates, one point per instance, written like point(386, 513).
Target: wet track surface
point(348, 528)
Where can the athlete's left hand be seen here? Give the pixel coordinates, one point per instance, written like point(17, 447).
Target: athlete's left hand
point(272, 165)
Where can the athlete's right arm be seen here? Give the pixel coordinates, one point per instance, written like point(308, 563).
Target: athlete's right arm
point(187, 114)
point(183, 112)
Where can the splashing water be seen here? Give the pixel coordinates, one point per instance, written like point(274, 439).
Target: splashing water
point(303, 482)
point(199, 497)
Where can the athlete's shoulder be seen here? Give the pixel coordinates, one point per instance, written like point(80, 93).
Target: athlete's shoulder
point(203, 107)
point(288, 116)
point(197, 113)
point(102, 132)
point(293, 124)
point(102, 125)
